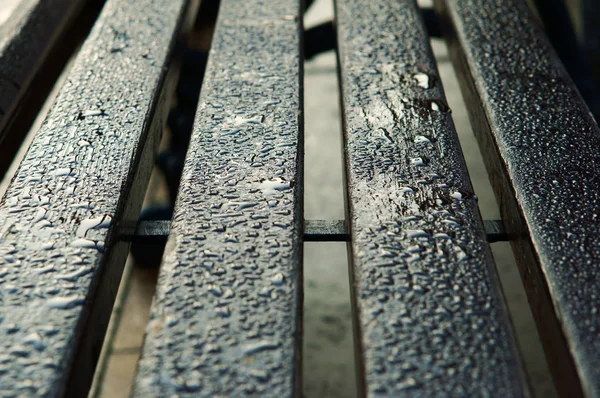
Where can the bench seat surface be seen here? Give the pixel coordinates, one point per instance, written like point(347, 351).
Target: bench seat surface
point(81, 175)
point(225, 320)
point(540, 145)
point(431, 320)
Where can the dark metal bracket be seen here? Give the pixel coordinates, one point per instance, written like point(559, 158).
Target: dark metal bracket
point(314, 231)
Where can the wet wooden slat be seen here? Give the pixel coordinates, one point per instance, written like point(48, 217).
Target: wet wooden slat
point(225, 320)
point(85, 170)
point(429, 316)
point(541, 148)
point(33, 48)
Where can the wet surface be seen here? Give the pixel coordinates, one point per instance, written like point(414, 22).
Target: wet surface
point(27, 32)
point(226, 315)
point(545, 171)
point(431, 321)
point(56, 216)
point(327, 357)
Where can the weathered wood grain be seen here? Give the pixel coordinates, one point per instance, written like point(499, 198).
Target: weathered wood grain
point(542, 150)
point(85, 171)
point(225, 320)
point(430, 318)
point(34, 46)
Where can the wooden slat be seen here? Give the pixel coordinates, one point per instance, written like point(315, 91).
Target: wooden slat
point(541, 147)
point(225, 320)
point(34, 45)
point(430, 317)
point(85, 170)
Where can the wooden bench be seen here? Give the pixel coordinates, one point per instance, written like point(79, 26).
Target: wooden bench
point(226, 320)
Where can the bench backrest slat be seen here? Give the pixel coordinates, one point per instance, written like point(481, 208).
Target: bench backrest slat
point(225, 320)
point(430, 317)
point(541, 146)
point(82, 175)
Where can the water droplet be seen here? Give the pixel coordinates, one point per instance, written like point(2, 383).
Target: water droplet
point(73, 276)
point(65, 302)
point(253, 120)
point(48, 330)
point(244, 205)
point(45, 269)
point(39, 215)
point(93, 223)
point(93, 112)
point(273, 186)
point(414, 249)
point(223, 312)
point(216, 290)
point(417, 162)
point(47, 245)
point(460, 254)
point(407, 384)
point(274, 102)
point(277, 279)
point(262, 345)
point(35, 340)
point(438, 106)
point(422, 80)
point(416, 233)
point(61, 172)
point(10, 288)
point(421, 139)
point(20, 350)
point(34, 178)
point(261, 375)
point(84, 244)
point(84, 205)
point(451, 223)
point(43, 200)
point(456, 195)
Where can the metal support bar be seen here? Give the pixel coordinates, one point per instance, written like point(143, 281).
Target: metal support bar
point(314, 231)
point(495, 231)
point(325, 231)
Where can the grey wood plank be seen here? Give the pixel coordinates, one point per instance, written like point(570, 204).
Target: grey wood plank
point(541, 149)
point(225, 320)
point(33, 48)
point(429, 315)
point(85, 171)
